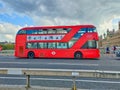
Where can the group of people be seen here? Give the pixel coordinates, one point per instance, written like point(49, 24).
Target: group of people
point(108, 49)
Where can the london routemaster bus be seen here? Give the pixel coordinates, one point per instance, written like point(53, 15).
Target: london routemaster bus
point(78, 41)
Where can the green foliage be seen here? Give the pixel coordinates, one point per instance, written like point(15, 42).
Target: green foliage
point(7, 46)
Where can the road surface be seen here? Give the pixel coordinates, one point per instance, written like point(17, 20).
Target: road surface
point(106, 62)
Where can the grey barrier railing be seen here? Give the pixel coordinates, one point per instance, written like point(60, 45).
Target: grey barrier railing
point(11, 52)
point(60, 72)
point(7, 52)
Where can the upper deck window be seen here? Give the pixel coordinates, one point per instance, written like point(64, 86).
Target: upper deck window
point(32, 31)
point(83, 31)
point(42, 31)
point(45, 31)
point(21, 32)
point(51, 31)
point(63, 30)
point(91, 30)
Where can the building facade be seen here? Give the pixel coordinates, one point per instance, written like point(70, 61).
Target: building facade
point(112, 38)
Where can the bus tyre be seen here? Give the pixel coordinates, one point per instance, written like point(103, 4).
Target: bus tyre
point(31, 55)
point(78, 55)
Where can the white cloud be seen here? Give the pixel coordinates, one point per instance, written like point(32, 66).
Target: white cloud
point(8, 32)
point(10, 37)
point(108, 24)
point(54, 21)
point(100, 13)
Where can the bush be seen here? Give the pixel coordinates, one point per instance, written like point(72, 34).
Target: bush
point(7, 46)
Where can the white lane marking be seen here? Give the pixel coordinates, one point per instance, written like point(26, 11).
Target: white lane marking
point(14, 78)
point(69, 80)
point(79, 64)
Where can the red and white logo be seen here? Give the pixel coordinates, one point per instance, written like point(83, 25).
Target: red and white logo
point(53, 52)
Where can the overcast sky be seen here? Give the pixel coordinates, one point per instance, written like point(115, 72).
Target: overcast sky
point(15, 14)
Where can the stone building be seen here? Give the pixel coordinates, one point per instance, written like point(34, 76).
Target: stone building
point(112, 38)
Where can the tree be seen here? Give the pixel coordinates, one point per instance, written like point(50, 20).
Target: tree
point(7, 46)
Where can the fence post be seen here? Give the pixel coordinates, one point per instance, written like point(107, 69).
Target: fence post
point(27, 81)
point(74, 83)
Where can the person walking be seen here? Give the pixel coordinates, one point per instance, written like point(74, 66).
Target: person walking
point(114, 49)
point(107, 50)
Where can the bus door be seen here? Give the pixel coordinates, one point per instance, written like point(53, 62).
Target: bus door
point(21, 50)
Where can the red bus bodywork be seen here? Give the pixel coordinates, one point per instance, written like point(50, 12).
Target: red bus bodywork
point(0, 48)
point(22, 39)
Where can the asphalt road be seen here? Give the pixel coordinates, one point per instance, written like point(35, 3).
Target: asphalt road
point(106, 62)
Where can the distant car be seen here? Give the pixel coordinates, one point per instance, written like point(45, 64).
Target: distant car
point(117, 53)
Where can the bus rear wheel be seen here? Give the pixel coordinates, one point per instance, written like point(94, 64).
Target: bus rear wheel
point(78, 55)
point(31, 55)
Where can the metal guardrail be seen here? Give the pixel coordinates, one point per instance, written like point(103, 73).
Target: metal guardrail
point(7, 52)
point(11, 52)
point(60, 72)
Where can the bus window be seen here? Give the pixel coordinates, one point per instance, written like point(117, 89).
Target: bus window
point(94, 30)
point(80, 33)
point(77, 35)
point(40, 31)
point(51, 45)
point(21, 32)
point(83, 30)
point(61, 30)
point(71, 43)
point(31, 45)
point(62, 45)
point(51, 31)
point(91, 30)
point(90, 44)
point(32, 31)
point(44, 31)
point(68, 29)
point(45, 45)
point(42, 45)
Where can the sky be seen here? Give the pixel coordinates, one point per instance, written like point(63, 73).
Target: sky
point(16, 14)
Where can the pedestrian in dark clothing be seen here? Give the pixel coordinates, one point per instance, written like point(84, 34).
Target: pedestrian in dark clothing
point(114, 49)
point(107, 50)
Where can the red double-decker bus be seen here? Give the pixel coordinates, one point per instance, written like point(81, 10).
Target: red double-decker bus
point(79, 41)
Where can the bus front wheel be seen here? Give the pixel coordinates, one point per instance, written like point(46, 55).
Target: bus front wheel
point(78, 55)
point(31, 55)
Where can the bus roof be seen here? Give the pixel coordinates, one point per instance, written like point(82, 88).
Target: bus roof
point(45, 27)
